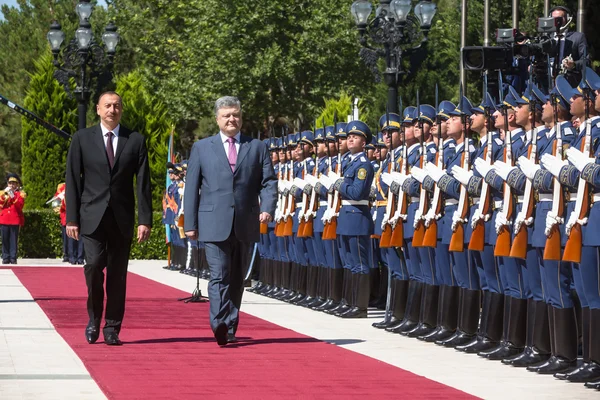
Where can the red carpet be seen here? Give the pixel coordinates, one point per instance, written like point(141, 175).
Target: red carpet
point(169, 351)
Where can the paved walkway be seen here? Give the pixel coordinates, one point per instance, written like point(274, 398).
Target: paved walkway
point(36, 363)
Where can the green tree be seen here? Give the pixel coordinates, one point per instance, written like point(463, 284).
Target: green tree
point(44, 153)
point(146, 114)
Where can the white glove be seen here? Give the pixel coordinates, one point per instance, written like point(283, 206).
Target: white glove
point(418, 173)
point(456, 219)
point(528, 167)
point(399, 178)
point(384, 221)
point(434, 172)
point(461, 175)
point(429, 216)
point(387, 178)
point(334, 176)
point(503, 169)
point(482, 167)
point(475, 218)
point(578, 159)
point(311, 180)
point(326, 181)
point(300, 183)
point(552, 164)
point(552, 220)
point(418, 217)
point(500, 221)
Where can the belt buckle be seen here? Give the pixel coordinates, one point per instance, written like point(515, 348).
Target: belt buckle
point(567, 195)
point(536, 196)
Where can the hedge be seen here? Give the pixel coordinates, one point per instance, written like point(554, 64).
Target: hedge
point(41, 237)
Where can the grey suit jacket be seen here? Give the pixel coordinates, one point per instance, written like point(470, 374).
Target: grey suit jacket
point(228, 200)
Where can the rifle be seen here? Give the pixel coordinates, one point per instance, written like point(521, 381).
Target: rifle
point(390, 208)
point(334, 201)
point(457, 241)
point(290, 200)
point(401, 203)
point(313, 204)
point(553, 242)
point(31, 116)
point(477, 241)
point(502, 248)
point(305, 197)
point(572, 251)
point(430, 238)
point(419, 232)
point(519, 245)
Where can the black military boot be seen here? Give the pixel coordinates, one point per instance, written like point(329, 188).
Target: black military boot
point(302, 284)
point(398, 298)
point(514, 331)
point(361, 288)
point(375, 280)
point(490, 329)
point(284, 279)
point(537, 342)
point(429, 308)
point(413, 309)
point(328, 291)
point(590, 370)
point(276, 274)
point(293, 286)
point(468, 319)
point(447, 318)
point(264, 266)
point(344, 291)
point(311, 286)
point(351, 296)
point(383, 288)
point(563, 342)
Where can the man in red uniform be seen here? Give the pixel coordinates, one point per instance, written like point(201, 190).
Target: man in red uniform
point(12, 200)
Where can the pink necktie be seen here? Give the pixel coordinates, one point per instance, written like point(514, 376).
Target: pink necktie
point(232, 155)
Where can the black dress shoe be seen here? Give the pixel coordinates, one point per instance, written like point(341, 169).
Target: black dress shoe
point(354, 312)
point(221, 334)
point(505, 350)
point(459, 338)
point(385, 324)
point(92, 332)
point(481, 343)
point(593, 385)
point(530, 356)
point(571, 371)
point(587, 373)
point(420, 330)
point(553, 365)
point(112, 339)
point(231, 338)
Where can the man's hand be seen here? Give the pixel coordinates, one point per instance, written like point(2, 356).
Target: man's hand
point(72, 230)
point(192, 235)
point(143, 233)
point(265, 218)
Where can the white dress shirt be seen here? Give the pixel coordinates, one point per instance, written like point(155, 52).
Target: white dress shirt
point(115, 138)
point(224, 139)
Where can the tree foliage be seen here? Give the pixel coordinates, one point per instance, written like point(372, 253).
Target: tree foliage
point(144, 113)
point(44, 153)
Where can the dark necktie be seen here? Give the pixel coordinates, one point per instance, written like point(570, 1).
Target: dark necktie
point(110, 151)
point(232, 154)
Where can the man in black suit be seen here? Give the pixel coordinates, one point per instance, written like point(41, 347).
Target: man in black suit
point(569, 48)
point(227, 175)
point(101, 165)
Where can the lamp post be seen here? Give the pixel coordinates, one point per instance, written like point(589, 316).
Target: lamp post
point(393, 33)
point(83, 58)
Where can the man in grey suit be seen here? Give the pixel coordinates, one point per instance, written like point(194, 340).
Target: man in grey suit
point(227, 175)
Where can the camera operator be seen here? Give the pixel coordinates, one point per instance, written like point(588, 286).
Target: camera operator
point(570, 48)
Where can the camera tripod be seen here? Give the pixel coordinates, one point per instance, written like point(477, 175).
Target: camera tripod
point(196, 296)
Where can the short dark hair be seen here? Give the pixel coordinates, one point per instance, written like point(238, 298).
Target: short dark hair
point(111, 93)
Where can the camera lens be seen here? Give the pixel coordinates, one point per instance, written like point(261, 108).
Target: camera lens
point(473, 59)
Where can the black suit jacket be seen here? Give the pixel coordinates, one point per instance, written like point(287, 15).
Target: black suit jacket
point(92, 186)
point(575, 44)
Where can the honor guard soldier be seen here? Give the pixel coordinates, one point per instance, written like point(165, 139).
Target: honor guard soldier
point(391, 256)
point(448, 296)
point(455, 216)
point(333, 263)
point(12, 200)
point(480, 226)
point(557, 292)
point(582, 220)
point(355, 225)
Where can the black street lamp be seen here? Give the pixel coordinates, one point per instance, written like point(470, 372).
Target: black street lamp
point(83, 58)
point(395, 33)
